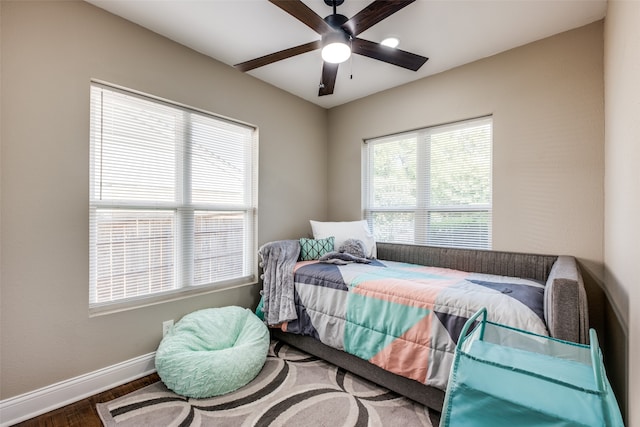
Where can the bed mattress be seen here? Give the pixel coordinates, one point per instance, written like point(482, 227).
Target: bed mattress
point(406, 318)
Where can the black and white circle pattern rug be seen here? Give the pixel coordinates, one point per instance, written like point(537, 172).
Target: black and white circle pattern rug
point(293, 390)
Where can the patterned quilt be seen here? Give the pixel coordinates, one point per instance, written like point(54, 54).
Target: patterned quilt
point(406, 318)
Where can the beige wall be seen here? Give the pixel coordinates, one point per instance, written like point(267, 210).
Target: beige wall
point(622, 176)
point(50, 50)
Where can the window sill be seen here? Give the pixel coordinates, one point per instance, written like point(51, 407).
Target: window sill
point(102, 309)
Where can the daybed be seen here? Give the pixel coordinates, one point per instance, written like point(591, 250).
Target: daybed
point(558, 279)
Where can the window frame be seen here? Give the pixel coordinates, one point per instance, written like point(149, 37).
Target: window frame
point(422, 208)
point(183, 209)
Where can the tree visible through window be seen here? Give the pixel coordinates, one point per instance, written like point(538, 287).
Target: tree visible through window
point(172, 198)
point(431, 186)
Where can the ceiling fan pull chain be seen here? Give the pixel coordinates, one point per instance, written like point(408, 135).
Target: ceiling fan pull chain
point(351, 58)
point(351, 68)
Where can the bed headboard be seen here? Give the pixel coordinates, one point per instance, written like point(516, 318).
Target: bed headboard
point(530, 266)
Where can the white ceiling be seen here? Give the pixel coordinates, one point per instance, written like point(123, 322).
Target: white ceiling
point(449, 32)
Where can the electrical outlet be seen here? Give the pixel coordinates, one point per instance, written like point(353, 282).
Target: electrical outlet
point(166, 327)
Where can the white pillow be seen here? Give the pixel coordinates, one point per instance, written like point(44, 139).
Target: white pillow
point(345, 230)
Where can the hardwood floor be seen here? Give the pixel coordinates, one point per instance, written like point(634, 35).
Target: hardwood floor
point(83, 413)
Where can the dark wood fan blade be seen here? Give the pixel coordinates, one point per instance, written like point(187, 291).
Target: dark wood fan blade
point(394, 56)
point(372, 14)
point(304, 14)
point(283, 54)
point(329, 73)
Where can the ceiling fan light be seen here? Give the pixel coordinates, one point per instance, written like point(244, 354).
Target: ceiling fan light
point(336, 53)
point(336, 47)
point(390, 42)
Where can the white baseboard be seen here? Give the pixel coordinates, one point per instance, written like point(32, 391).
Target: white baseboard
point(54, 396)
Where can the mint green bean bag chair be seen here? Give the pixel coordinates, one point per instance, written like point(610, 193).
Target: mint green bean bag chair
point(212, 352)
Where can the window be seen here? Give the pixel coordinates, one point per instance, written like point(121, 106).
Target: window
point(173, 200)
point(431, 186)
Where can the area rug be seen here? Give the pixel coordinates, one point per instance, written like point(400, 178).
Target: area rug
point(293, 389)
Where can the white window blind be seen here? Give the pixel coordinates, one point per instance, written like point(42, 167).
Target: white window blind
point(173, 199)
point(431, 186)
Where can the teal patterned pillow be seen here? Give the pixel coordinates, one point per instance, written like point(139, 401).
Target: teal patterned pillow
point(311, 249)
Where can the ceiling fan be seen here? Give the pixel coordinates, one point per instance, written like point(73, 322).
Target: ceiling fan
point(340, 33)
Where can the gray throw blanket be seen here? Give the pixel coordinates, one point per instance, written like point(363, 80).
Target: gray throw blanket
point(278, 260)
point(342, 258)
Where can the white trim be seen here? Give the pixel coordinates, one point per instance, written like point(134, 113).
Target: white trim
point(54, 396)
point(161, 298)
